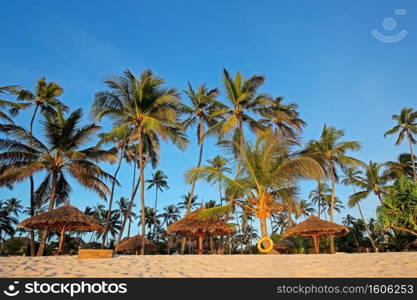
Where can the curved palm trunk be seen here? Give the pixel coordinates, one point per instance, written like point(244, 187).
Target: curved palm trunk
point(412, 160)
point(129, 211)
point(50, 207)
point(367, 229)
point(331, 238)
point(106, 228)
point(142, 191)
point(200, 158)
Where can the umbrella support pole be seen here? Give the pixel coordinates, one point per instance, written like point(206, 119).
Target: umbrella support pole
point(316, 244)
point(61, 240)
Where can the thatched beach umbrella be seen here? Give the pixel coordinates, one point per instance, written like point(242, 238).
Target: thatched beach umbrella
point(134, 243)
point(316, 228)
point(64, 218)
point(194, 226)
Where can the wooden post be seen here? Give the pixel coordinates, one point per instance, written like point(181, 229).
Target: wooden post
point(316, 244)
point(61, 240)
point(200, 242)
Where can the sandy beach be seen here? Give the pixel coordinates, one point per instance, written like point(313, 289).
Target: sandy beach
point(402, 264)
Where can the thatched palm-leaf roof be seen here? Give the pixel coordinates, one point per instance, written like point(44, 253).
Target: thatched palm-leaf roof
point(134, 243)
point(192, 224)
point(66, 216)
point(314, 226)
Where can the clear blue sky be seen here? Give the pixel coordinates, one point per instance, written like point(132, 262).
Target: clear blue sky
point(319, 54)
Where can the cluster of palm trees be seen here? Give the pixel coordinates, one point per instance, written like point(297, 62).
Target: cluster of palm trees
point(258, 176)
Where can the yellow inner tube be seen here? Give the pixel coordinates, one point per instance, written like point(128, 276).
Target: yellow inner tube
point(271, 244)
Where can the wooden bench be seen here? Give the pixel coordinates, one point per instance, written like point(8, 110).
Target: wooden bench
point(95, 253)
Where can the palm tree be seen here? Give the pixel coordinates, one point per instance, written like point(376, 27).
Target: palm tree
point(123, 205)
point(305, 209)
point(124, 150)
point(406, 127)
point(171, 213)
point(200, 113)
point(60, 156)
point(352, 175)
point(331, 152)
point(318, 196)
point(184, 204)
point(13, 206)
point(159, 182)
point(372, 182)
point(242, 93)
point(13, 108)
point(349, 221)
point(268, 166)
point(44, 98)
point(146, 109)
point(284, 117)
point(7, 223)
point(402, 167)
point(218, 164)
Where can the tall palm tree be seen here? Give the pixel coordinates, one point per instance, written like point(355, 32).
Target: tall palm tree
point(332, 152)
point(402, 167)
point(406, 127)
point(159, 182)
point(318, 196)
point(373, 181)
point(43, 98)
point(283, 117)
point(200, 113)
point(124, 151)
point(352, 175)
point(144, 107)
point(268, 166)
point(59, 156)
point(242, 94)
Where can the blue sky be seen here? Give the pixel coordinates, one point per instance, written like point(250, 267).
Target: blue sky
point(319, 54)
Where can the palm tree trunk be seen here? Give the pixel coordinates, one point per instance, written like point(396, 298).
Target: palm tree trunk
point(331, 238)
point(154, 217)
point(128, 212)
point(368, 232)
point(50, 207)
point(32, 213)
point(412, 160)
point(142, 190)
point(200, 158)
point(106, 228)
point(264, 231)
point(221, 204)
point(239, 232)
point(318, 200)
point(32, 189)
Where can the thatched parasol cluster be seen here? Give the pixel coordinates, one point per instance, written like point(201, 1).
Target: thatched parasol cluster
point(134, 243)
point(194, 226)
point(64, 218)
point(316, 228)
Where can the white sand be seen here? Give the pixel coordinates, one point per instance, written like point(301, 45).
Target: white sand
point(339, 265)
